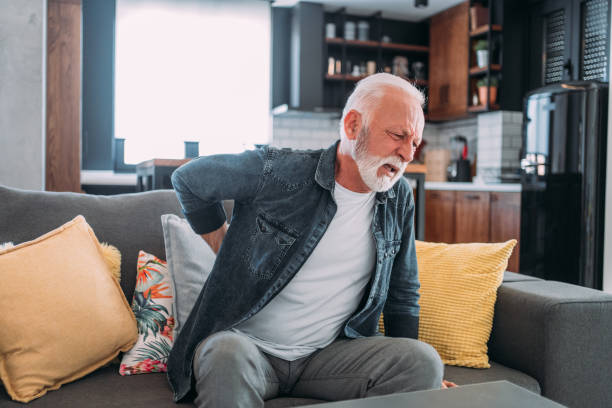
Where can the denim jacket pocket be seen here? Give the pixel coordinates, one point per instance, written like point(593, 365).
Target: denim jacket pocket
point(269, 246)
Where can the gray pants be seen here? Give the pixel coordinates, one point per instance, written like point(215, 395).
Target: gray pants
point(230, 371)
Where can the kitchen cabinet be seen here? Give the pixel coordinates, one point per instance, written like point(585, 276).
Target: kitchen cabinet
point(505, 222)
point(473, 216)
point(448, 63)
point(569, 40)
point(454, 74)
point(439, 216)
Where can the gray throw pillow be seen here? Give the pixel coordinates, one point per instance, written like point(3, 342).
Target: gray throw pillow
point(190, 261)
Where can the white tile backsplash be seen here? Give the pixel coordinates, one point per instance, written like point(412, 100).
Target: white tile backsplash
point(494, 136)
point(307, 131)
point(499, 141)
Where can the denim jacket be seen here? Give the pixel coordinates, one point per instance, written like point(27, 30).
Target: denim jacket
point(283, 205)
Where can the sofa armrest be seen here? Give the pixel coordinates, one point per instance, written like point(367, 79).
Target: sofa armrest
point(558, 333)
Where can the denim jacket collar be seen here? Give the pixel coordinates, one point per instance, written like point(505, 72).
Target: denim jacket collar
point(326, 173)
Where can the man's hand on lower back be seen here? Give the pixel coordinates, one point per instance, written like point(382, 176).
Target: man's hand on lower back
point(215, 238)
point(448, 384)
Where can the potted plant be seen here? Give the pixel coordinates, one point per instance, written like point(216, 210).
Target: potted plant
point(482, 90)
point(482, 53)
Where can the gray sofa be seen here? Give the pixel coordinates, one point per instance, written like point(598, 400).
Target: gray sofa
point(549, 337)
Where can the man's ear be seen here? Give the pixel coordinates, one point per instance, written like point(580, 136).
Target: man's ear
point(352, 124)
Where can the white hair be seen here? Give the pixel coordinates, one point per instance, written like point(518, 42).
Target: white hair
point(369, 91)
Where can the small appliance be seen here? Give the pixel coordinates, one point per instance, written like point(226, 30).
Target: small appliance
point(459, 169)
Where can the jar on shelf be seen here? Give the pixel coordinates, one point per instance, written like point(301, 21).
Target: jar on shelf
point(330, 30)
point(349, 30)
point(363, 30)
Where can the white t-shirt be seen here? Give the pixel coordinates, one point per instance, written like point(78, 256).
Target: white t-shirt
point(311, 310)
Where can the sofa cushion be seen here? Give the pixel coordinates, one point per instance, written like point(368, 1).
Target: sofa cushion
point(105, 388)
point(464, 376)
point(190, 261)
point(64, 314)
point(130, 222)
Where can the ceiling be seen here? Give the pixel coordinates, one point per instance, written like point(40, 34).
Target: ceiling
point(396, 9)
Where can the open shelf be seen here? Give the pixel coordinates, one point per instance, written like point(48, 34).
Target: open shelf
point(410, 42)
point(375, 44)
point(335, 77)
point(483, 70)
point(404, 47)
point(361, 44)
point(348, 77)
point(331, 40)
point(484, 29)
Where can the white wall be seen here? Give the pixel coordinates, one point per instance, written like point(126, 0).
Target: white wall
point(22, 93)
point(607, 278)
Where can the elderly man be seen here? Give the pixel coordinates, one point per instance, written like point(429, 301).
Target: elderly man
point(320, 243)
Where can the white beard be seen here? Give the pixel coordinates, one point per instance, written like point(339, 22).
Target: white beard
point(369, 164)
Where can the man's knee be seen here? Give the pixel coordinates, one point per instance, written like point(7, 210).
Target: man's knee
point(420, 362)
point(225, 349)
point(429, 364)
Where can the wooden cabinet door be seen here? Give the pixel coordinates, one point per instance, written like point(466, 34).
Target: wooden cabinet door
point(439, 216)
point(472, 216)
point(505, 222)
point(63, 139)
point(448, 63)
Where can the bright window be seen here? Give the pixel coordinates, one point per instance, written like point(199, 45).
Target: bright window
point(191, 71)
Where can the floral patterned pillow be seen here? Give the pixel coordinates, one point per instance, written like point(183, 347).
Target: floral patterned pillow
point(153, 307)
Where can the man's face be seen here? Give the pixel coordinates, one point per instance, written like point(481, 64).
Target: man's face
point(387, 145)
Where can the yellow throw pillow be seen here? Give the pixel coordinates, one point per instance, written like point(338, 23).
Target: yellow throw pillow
point(458, 291)
point(63, 314)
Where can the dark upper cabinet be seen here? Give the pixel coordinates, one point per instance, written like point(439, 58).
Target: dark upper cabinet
point(569, 40)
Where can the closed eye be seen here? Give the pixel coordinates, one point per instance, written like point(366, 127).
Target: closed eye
point(395, 136)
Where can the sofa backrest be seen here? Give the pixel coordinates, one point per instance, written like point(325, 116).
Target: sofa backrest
point(131, 222)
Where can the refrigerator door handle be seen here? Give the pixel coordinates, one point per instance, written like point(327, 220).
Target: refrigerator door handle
point(525, 163)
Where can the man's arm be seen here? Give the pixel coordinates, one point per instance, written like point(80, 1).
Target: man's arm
point(215, 239)
point(202, 184)
point(402, 308)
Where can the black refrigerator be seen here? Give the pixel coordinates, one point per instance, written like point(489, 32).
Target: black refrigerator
point(563, 180)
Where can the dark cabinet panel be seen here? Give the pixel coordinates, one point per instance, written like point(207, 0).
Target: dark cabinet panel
point(568, 40)
point(505, 222)
point(440, 216)
point(306, 84)
point(472, 216)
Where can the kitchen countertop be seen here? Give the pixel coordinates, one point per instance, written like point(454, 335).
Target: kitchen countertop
point(474, 186)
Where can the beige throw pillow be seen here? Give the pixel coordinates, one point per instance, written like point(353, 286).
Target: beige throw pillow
point(63, 314)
